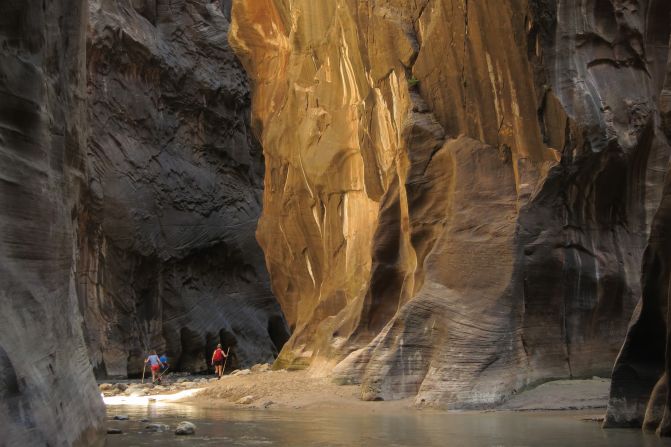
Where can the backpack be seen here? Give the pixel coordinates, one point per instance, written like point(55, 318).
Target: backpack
point(218, 354)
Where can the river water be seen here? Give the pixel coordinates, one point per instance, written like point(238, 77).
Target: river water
point(332, 427)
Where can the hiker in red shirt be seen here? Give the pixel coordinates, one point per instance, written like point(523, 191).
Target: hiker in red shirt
point(218, 361)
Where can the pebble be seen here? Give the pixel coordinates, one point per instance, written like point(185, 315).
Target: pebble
point(114, 431)
point(185, 428)
point(120, 417)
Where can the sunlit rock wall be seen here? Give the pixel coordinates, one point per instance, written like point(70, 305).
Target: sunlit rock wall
point(457, 193)
point(170, 261)
point(48, 395)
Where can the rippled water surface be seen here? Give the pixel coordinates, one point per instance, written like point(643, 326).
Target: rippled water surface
point(253, 427)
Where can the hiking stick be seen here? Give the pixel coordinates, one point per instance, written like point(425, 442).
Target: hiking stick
point(225, 359)
point(164, 371)
point(144, 366)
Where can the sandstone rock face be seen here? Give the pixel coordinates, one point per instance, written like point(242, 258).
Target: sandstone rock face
point(457, 193)
point(169, 259)
point(639, 393)
point(48, 395)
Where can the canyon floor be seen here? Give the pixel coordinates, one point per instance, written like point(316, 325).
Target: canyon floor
point(262, 388)
point(297, 389)
point(259, 405)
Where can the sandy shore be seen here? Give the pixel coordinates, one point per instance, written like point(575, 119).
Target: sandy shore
point(262, 388)
point(296, 389)
point(285, 389)
point(562, 395)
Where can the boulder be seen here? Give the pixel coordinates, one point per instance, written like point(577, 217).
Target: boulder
point(246, 400)
point(261, 367)
point(185, 428)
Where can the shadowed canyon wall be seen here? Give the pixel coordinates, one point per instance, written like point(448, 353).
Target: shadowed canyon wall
point(130, 190)
point(170, 260)
point(457, 193)
point(48, 395)
point(639, 392)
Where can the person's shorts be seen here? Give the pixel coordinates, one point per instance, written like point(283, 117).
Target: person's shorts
point(218, 363)
point(155, 368)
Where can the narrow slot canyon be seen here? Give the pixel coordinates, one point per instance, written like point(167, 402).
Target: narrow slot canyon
point(427, 207)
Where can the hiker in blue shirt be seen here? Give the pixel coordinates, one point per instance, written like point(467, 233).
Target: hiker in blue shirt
point(164, 361)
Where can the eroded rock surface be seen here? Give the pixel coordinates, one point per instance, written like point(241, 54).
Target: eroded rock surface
point(639, 394)
point(457, 193)
point(48, 395)
point(170, 261)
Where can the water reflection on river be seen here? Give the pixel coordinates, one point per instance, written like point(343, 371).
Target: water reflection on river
point(253, 427)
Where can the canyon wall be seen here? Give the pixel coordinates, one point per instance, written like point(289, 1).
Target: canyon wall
point(639, 391)
point(169, 258)
point(457, 193)
point(48, 395)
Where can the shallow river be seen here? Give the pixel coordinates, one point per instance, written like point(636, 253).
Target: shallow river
point(254, 427)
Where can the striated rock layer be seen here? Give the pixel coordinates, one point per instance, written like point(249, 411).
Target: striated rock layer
point(639, 392)
point(169, 259)
point(457, 193)
point(48, 395)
